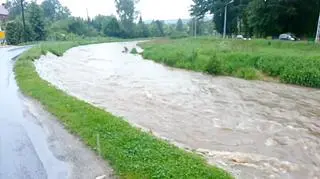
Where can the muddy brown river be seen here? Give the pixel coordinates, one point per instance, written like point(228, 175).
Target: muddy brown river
point(253, 129)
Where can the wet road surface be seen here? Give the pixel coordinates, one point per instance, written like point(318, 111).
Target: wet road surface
point(33, 145)
point(254, 129)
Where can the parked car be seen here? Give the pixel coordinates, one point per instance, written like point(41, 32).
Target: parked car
point(288, 36)
point(241, 37)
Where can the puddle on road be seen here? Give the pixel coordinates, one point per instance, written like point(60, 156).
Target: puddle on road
point(254, 129)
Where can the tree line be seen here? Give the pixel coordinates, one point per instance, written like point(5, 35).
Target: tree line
point(50, 20)
point(262, 18)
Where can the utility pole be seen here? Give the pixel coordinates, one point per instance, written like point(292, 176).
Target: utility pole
point(318, 31)
point(195, 27)
point(23, 22)
point(225, 22)
point(88, 18)
point(225, 18)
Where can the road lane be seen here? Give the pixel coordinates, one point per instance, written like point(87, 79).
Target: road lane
point(33, 144)
point(23, 147)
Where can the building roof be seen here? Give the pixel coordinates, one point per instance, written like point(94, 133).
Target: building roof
point(3, 10)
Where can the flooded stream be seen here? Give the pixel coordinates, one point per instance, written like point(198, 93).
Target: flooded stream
point(253, 129)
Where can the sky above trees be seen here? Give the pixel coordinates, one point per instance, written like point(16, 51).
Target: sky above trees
point(149, 9)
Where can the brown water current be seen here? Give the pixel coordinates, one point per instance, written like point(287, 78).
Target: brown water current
point(253, 129)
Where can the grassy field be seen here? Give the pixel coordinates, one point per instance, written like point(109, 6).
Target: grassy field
point(132, 153)
point(287, 62)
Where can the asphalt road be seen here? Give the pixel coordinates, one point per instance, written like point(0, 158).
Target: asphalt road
point(33, 144)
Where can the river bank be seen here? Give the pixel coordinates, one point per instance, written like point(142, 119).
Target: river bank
point(250, 128)
point(131, 152)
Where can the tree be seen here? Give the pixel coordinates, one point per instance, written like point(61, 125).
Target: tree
point(262, 17)
point(158, 28)
point(201, 27)
point(216, 7)
point(14, 8)
point(273, 17)
point(169, 29)
point(154, 31)
point(111, 27)
point(36, 19)
point(142, 30)
point(53, 10)
point(100, 21)
point(126, 10)
point(80, 27)
point(14, 32)
point(179, 26)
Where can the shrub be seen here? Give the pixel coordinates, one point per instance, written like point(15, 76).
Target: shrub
point(272, 65)
point(305, 76)
point(14, 32)
point(134, 51)
point(193, 56)
point(178, 35)
point(214, 66)
point(248, 73)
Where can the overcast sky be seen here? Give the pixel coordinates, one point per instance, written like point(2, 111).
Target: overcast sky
point(149, 9)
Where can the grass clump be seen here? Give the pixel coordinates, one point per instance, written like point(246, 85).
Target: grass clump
point(134, 51)
point(290, 62)
point(214, 66)
point(132, 153)
point(247, 73)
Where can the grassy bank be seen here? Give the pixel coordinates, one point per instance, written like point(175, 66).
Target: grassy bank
point(132, 153)
point(290, 62)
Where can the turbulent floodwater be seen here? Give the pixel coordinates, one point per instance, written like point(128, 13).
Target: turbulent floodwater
point(253, 129)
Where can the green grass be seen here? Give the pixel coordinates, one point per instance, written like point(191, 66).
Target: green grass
point(132, 153)
point(290, 62)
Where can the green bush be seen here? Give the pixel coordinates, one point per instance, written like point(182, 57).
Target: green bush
point(193, 56)
point(14, 33)
point(247, 73)
point(134, 51)
point(305, 76)
point(214, 65)
point(178, 35)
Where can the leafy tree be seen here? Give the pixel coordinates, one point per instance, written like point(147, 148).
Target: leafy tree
point(14, 7)
point(159, 25)
point(53, 10)
point(154, 31)
point(169, 29)
point(204, 27)
point(14, 32)
point(36, 19)
point(142, 30)
point(126, 10)
point(179, 26)
point(235, 13)
point(262, 17)
point(99, 21)
point(79, 26)
point(111, 27)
